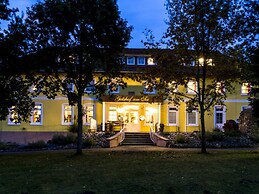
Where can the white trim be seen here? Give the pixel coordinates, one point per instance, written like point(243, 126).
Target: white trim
point(41, 116)
point(236, 100)
point(245, 107)
point(61, 98)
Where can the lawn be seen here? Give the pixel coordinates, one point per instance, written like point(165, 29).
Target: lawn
point(174, 171)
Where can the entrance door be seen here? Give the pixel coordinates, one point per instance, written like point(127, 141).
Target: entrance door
point(131, 119)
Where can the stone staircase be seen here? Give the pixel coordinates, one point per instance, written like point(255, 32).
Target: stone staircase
point(138, 139)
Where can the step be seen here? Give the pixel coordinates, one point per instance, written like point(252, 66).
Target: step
point(137, 139)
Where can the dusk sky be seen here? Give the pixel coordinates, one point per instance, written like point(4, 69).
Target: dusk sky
point(140, 14)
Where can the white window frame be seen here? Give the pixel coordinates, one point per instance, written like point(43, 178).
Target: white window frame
point(191, 87)
point(11, 122)
point(85, 114)
point(41, 115)
point(144, 60)
point(223, 111)
point(128, 60)
point(114, 114)
point(172, 109)
point(245, 86)
point(63, 113)
point(196, 118)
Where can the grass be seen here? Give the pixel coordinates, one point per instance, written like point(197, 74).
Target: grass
point(130, 172)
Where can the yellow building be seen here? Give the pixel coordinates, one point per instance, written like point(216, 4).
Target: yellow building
point(126, 106)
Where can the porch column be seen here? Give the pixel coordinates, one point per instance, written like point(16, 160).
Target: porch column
point(103, 127)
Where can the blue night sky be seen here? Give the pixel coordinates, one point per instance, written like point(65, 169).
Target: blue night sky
point(140, 14)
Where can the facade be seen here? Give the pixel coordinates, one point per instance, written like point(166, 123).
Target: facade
point(128, 106)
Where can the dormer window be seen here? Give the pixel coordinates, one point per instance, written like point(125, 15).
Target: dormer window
point(150, 61)
point(245, 88)
point(141, 60)
point(130, 60)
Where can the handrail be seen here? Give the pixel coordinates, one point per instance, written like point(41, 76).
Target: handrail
point(116, 139)
point(157, 139)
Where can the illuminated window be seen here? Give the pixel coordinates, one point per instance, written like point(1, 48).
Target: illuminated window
point(192, 87)
point(172, 116)
point(131, 60)
point(245, 88)
point(141, 60)
point(67, 114)
point(36, 117)
point(149, 115)
point(112, 114)
point(148, 89)
point(172, 87)
point(192, 118)
point(13, 117)
point(88, 114)
point(150, 61)
point(220, 88)
point(114, 89)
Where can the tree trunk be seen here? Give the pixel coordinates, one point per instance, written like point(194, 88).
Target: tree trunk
point(203, 139)
point(79, 125)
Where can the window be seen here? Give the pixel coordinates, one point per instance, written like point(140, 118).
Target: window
point(70, 87)
point(141, 60)
point(245, 108)
point(149, 89)
point(150, 61)
point(220, 88)
point(114, 89)
point(245, 88)
point(88, 114)
point(90, 87)
point(192, 87)
point(67, 114)
point(220, 116)
point(112, 114)
point(192, 118)
point(36, 117)
point(172, 116)
point(172, 87)
point(131, 60)
point(13, 117)
point(149, 115)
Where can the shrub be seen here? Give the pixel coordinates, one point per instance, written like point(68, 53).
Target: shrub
point(180, 138)
point(230, 125)
point(233, 133)
point(89, 142)
point(214, 136)
point(72, 128)
point(37, 145)
point(59, 139)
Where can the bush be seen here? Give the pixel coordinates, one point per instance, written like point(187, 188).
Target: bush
point(233, 133)
point(72, 128)
point(37, 145)
point(214, 136)
point(180, 138)
point(63, 140)
point(89, 142)
point(230, 125)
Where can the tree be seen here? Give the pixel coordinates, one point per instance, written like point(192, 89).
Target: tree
point(206, 42)
point(70, 41)
point(15, 96)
